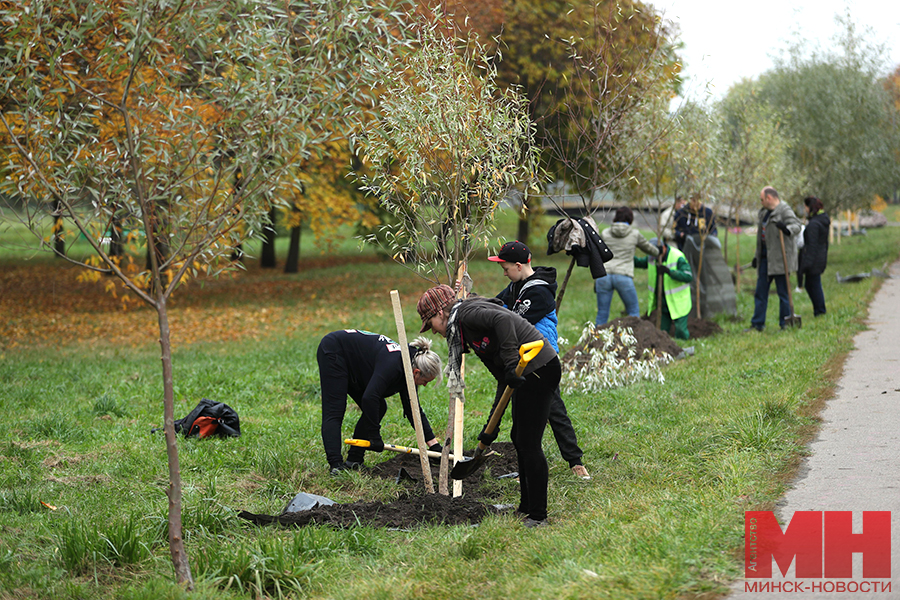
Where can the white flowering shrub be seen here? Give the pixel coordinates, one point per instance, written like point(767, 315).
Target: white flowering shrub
point(606, 358)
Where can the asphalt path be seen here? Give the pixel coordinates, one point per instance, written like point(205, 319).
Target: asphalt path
point(854, 463)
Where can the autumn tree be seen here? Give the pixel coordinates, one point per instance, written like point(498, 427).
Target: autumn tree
point(176, 120)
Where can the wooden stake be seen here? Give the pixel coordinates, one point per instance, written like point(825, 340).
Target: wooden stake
point(459, 401)
point(411, 388)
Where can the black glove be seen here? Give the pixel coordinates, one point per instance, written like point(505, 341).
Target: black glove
point(488, 438)
point(435, 460)
point(784, 228)
point(376, 445)
point(512, 379)
point(753, 263)
point(663, 269)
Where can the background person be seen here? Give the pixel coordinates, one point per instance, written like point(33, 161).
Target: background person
point(532, 295)
point(495, 334)
point(622, 239)
point(814, 258)
point(369, 368)
point(775, 218)
point(694, 219)
point(676, 288)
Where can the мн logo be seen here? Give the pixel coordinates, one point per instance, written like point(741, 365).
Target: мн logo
point(822, 542)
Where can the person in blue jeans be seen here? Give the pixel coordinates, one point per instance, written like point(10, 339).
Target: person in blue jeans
point(531, 294)
point(622, 239)
point(776, 220)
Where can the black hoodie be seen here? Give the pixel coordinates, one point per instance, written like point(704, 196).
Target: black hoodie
point(533, 298)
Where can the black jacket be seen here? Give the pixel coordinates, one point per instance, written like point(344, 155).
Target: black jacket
point(593, 254)
point(375, 372)
point(495, 335)
point(814, 257)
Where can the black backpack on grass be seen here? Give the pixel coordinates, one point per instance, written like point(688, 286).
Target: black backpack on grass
point(210, 418)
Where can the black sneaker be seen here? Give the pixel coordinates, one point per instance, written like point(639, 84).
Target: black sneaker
point(534, 523)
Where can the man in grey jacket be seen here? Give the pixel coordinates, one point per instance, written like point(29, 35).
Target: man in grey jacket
point(776, 219)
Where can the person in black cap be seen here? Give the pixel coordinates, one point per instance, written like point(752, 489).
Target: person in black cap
point(369, 368)
point(532, 295)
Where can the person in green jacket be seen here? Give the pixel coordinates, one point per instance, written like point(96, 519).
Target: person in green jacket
point(673, 269)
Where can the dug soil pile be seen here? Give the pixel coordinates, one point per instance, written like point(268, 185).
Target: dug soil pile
point(646, 335)
point(413, 507)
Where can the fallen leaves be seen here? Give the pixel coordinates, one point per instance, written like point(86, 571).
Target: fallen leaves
point(47, 303)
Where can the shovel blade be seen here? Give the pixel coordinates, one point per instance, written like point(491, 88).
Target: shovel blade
point(467, 466)
point(793, 321)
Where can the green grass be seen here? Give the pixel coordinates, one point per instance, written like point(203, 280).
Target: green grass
point(674, 464)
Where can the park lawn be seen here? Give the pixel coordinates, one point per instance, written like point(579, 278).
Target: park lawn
point(674, 465)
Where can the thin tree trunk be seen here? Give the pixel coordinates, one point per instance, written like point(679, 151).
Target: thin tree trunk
point(267, 256)
point(59, 244)
point(176, 540)
point(292, 263)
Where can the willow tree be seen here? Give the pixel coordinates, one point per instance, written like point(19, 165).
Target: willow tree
point(446, 149)
point(178, 120)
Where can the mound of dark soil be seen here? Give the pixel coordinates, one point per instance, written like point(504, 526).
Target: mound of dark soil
point(413, 507)
point(698, 328)
point(646, 335)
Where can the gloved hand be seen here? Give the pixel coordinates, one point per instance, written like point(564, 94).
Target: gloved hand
point(663, 269)
point(512, 379)
point(784, 228)
point(753, 263)
point(488, 438)
point(376, 445)
point(435, 460)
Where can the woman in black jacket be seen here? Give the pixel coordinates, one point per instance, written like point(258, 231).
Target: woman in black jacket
point(494, 333)
point(814, 257)
point(369, 368)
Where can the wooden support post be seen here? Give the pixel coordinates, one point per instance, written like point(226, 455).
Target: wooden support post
point(411, 388)
point(459, 412)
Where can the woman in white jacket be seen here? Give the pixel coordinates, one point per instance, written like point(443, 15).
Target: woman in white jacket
point(622, 239)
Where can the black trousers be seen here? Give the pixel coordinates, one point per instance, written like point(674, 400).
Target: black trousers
point(561, 426)
point(530, 409)
point(334, 379)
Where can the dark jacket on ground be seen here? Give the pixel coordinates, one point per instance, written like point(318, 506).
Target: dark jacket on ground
point(814, 257)
point(534, 299)
point(375, 372)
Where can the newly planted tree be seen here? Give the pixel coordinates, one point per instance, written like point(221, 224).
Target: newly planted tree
point(175, 120)
point(446, 149)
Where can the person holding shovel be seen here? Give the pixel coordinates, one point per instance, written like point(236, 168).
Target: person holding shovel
point(369, 368)
point(776, 257)
point(495, 334)
point(532, 294)
point(671, 269)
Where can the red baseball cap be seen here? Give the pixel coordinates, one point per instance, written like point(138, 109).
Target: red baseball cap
point(513, 252)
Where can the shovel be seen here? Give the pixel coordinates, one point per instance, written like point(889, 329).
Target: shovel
point(467, 466)
point(793, 320)
point(402, 449)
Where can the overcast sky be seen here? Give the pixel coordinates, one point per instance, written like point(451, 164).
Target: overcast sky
point(725, 42)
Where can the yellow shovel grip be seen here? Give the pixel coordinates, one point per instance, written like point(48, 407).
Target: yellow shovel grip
point(529, 351)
